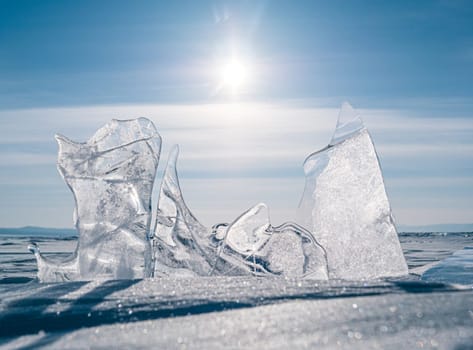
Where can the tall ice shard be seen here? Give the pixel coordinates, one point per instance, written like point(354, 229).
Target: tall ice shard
point(111, 177)
point(346, 207)
point(182, 244)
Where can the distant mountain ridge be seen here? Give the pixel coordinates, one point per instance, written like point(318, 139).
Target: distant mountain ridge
point(436, 228)
point(37, 231)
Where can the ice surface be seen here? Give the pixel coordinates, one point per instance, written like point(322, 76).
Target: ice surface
point(346, 207)
point(235, 313)
point(111, 177)
point(248, 246)
point(457, 268)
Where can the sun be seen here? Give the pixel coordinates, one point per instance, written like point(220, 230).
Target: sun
point(234, 75)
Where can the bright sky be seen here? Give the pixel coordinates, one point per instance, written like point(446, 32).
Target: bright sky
point(248, 89)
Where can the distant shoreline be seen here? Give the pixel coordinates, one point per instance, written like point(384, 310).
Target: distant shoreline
point(460, 228)
point(36, 231)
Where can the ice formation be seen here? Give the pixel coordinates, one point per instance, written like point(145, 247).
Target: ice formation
point(111, 177)
point(345, 205)
point(261, 249)
point(182, 244)
point(345, 229)
point(248, 246)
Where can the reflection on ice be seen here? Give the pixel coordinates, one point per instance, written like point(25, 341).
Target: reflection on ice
point(345, 228)
point(457, 268)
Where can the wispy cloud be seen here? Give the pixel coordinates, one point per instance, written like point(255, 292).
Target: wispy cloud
point(235, 155)
point(12, 159)
point(425, 150)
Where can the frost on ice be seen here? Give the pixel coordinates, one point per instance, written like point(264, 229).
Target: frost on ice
point(111, 177)
point(345, 205)
point(248, 246)
point(345, 229)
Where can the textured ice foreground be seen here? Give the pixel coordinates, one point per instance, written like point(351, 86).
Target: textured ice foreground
point(346, 207)
point(235, 313)
point(111, 177)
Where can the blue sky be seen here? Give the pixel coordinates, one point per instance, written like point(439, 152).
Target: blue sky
point(407, 66)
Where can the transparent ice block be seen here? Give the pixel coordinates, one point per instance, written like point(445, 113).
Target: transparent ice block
point(111, 177)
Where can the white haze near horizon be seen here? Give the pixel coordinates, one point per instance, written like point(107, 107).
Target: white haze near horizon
point(235, 155)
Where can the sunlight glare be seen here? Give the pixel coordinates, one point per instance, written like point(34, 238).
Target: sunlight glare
point(234, 75)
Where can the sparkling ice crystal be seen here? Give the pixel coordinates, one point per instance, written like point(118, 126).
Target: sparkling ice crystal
point(345, 205)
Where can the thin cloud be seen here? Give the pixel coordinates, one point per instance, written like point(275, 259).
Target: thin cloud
point(235, 155)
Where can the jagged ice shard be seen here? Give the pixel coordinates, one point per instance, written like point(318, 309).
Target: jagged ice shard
point(262, 249)
point(111, 177)
point(345, 205)
point(182, 244)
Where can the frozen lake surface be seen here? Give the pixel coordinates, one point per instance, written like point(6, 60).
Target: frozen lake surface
point(240, 312)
